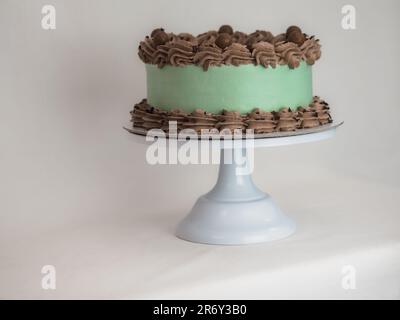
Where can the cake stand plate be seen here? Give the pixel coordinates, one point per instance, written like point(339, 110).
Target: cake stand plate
point(235, 211)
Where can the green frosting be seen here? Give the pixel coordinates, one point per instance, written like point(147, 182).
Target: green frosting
point(240, 88)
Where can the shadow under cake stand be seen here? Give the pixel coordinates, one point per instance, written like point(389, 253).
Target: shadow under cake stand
point(235, 211)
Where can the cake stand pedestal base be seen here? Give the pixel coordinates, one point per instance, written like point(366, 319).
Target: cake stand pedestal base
point(235, 211)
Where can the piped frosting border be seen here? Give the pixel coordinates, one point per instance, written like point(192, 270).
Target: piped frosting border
point(316, 114)
point(229, 47)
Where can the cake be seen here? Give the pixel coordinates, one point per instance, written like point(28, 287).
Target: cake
point(230, 80)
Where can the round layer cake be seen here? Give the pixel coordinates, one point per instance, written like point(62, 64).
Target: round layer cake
point(227, 79)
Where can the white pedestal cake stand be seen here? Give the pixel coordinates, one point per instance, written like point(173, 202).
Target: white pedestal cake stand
point(235, 211)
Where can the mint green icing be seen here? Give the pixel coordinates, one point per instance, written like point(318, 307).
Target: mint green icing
point(241, 88)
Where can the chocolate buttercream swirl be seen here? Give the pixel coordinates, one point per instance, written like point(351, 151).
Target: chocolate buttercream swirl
point(199, 120)
point(181, 53)
point(321, 107)
point(208, 56)
point(138, 112)
point(161, 55)
point(264, 54)
point(211, 42)
point(207, 38)
point(173, 37)
point(188, 37)
point(261, 121)
point(259, 36)
point(279, 38)
point(230, 121)
point(148, 117)
point(311, 50)
point(239, 37)
point(147, 50)
point(288, 53)
point(175, 115)
point(308, 117)
point(287, 120)
point(319, 104)
point(237, 54)
point(153, 120)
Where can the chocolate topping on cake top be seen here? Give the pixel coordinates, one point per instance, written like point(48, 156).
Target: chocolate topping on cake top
point(230, 47)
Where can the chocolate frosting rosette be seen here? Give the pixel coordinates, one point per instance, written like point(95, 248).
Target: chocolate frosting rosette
point(199, 120)
point(311, 50)
point(288, 53)
point(177, 115)
point(261, 121)
point(138, 112)
point(279, 38)
point(207, 38)
point(147, 50)
point(153, 118)
point(180, 53)
point(207, 56)
point(287, 120)
point(161, 55)
point(231, 121)
point(239, 37)
point(237, 54)
point(321, 107)
point(259, 36)
point(309, 118)
point(264, 54)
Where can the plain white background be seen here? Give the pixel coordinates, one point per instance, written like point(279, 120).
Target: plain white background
point(76, 191)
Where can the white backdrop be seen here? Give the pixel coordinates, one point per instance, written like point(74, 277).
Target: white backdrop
point(76, 191)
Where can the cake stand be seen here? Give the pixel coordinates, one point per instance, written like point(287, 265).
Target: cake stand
point(235, 211)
